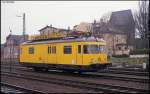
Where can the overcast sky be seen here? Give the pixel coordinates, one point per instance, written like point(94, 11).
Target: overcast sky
point(60, 14)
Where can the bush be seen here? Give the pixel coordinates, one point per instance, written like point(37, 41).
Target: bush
point(139, 51)
point(121, 56)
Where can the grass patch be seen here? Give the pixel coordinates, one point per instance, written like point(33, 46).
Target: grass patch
point(128, 60)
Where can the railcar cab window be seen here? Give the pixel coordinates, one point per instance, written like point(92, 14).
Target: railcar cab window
point(79, 49)
point(31, 50)
point(102, 48)
point(67, 49)
point(90, 49)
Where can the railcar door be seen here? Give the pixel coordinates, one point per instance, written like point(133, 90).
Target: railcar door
point(69, 54)
point(52, 54)
point(79, 55)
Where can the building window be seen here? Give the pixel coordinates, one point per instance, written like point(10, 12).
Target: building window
point(31, 50)
point(119, 48)
point(67, 49)
point(117, 39)
point(53, 49)
point(79, 49)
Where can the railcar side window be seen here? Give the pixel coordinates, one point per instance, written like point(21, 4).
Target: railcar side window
point(67, 49)
point(90, 49)
point(54, 49)
point(31, 50)
point(49, 49)
point(85, 49)
point(79, 49)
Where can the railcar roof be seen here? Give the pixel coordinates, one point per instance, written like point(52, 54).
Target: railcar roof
point(65, 40)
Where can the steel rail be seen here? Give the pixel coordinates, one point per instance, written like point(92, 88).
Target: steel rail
point(125, 72)
point(111, 70)
point(121, 77)
point(128, 69)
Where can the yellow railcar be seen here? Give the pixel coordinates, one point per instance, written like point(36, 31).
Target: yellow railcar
point(81, 54)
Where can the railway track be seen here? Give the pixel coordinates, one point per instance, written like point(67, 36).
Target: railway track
point(78, 84)
point(109, 74)
point(128, 69)
point(9, 88)
point(125, 72)
point(120, 77)
point(137, 70)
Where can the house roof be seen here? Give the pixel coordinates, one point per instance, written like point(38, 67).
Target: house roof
point(121, 17)
point(107, 28)
point(122, 21)
point(109, 31)
point(17, 38)
point(47, 27)
point(61, 29)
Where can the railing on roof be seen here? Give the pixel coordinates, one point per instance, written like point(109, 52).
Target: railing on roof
point(46, 36)
point(56, 35)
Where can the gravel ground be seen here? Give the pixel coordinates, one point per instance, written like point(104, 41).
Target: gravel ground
point(122, 75)
point(46, 87)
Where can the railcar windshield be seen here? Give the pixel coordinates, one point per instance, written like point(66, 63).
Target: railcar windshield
point(102, 49)
point(93, 49)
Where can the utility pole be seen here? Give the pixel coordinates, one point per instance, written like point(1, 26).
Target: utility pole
point(10, 44)
point(24, 27)
point(113, 44)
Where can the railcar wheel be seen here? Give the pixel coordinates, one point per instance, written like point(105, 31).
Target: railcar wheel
point(68, 71)
point(79, 72)
point(37, 69)
point(45, 69)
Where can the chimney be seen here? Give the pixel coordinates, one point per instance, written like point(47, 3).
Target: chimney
point(51, 25)
point(68, 28)
point(94, 21)
point(101, 20)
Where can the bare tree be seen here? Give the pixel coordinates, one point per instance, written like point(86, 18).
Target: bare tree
point(105, 17)
point(141, 22)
